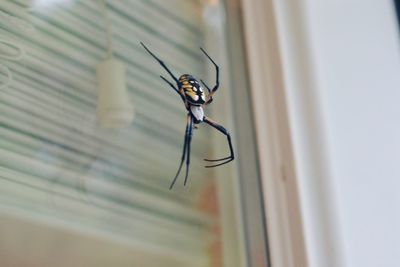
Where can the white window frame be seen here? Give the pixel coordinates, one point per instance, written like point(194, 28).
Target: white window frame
point(300, 214)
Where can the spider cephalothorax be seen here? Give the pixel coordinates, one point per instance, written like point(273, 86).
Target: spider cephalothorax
point(194, 98)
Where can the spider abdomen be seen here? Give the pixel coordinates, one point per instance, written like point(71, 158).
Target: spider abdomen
point(194, 93)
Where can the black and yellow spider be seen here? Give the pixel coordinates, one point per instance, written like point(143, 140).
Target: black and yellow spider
point(195, 99)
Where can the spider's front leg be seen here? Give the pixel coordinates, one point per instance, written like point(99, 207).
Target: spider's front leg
point(160, 62)
point(180, 93)
point(209, 96)
point(221, 129)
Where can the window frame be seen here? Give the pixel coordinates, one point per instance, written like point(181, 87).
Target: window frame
point(273, 137)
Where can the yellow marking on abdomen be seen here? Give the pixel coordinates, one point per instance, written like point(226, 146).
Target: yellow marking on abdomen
point(192, 94)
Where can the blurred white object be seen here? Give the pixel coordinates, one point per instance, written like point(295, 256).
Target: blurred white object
point(114, 108)
point(47, 3)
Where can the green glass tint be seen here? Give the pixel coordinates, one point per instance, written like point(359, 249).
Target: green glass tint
point(74, 193)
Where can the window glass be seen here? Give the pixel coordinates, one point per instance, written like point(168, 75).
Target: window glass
point(82, 183)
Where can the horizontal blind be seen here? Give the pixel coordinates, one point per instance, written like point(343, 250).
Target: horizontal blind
point(54, 159)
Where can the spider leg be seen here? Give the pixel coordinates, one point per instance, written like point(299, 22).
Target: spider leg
point(212, 160)
point(221, 129)
point(188, 150)
point(210, 99)
point(173, 87)
point(205, 85)
point(161, 62)
point(215, 88)
point(189, 119)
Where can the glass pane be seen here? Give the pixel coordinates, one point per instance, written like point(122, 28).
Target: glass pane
point(91, 137)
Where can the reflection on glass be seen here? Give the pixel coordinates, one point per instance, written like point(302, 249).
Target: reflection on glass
point(75, 194)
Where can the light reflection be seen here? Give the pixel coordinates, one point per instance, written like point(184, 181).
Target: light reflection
point(50, 3)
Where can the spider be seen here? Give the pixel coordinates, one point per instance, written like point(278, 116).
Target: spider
point(195, 100)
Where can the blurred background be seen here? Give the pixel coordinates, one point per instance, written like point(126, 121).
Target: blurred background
point(91, 137)
point(74, 193)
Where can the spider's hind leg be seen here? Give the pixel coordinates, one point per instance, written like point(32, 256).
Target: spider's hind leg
point(189, 140)
point(185, 150)
point(221, 129)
